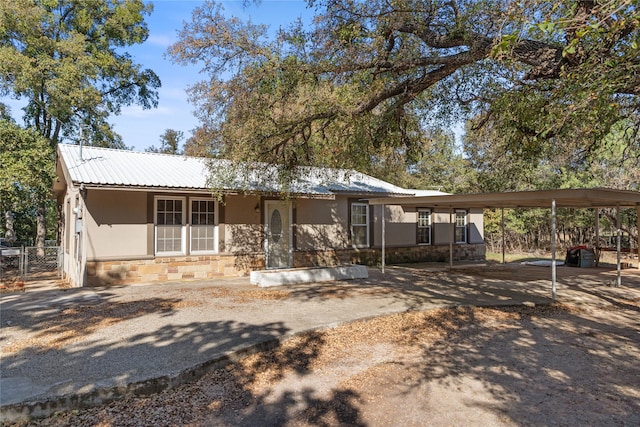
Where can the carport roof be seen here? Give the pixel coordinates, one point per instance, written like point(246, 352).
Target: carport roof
point(567, 198)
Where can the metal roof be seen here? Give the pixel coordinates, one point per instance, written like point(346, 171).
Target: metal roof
point(568, 198)
point(104, 167)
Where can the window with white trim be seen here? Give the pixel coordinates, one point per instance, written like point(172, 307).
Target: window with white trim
point(424, 227)
point(461, 226)
point(169, 221)
point(203, 225)
point(360, 225)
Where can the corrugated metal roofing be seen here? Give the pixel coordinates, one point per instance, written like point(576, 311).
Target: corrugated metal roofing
point(428, 193)
point(121, 168)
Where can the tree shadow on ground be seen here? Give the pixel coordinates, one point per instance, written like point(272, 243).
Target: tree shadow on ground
point(419, 289)
point(552, 365)
point(211, 395)
point(175, 357)
point(261, 400)
point(68, 321)
point(521, 358)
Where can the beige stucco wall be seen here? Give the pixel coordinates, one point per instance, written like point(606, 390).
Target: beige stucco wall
point(321, 224)
point(400, 225)
point(119, 224)
point(442, 226)
point(401, 228)
point(476, 229)
point(241, 231)
point(116, 224)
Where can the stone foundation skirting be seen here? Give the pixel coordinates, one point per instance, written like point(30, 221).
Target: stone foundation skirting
point(115, 272)
point(393, 255)
point(162, 269)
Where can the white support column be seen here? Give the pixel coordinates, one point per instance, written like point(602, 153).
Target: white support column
point(503, 238)
point(383, 237)
point(597, 227)
point(638, 229)
point(451, 237)
point(618, 246)
point(597, 242)
point(553, 249)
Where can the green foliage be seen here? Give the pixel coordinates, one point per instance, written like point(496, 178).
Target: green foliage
point(499, 167)
point(584, 86)
point(65, 58)
point(364, 85)
point(26, 162)
point(169, 142)
point(442, 166)
point(26, 175)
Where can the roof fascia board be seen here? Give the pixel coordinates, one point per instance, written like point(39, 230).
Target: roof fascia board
point(200, 191)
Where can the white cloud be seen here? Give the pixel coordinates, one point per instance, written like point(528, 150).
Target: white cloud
point(161, 40)
point(173, 93)
point(135, 111)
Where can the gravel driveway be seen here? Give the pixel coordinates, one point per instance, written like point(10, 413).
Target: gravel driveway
point(502, 365)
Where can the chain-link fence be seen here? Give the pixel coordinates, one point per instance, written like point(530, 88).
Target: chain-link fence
point(11, 265)
point(45, 260)
point(25, 263)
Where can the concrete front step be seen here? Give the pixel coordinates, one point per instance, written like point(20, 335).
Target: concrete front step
point(267, 278)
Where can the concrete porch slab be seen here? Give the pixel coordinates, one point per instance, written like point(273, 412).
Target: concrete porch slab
point(268, 278)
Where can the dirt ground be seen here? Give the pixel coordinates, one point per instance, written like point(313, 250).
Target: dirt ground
point(558, 364)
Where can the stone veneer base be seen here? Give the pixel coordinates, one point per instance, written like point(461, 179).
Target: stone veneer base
point(115, 272)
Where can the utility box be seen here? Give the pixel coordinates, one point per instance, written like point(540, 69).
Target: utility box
point(587, 258)
point(580, 256)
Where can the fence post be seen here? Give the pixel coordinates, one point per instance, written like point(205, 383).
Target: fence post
point(25, 265)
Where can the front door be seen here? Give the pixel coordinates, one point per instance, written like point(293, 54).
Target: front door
point(278, 234)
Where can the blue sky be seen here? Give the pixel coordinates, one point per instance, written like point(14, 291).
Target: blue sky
point(142, 128)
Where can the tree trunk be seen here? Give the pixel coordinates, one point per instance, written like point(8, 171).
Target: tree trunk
point(10, 233)
point(41, 228)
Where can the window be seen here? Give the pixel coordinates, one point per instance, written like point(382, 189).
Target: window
point(461, 226)
point(360, 225)
point(424, 227)
point(170, 225)
point(203, 226)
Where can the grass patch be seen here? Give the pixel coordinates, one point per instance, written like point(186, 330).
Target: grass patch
point(521, 257)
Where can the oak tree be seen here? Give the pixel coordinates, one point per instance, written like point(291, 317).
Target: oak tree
point(369, 77)
point(26, 175)
point(66, 59)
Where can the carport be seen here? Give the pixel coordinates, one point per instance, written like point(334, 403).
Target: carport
point(595, 198)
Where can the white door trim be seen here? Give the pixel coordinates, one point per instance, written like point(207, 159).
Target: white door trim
point(268, 204)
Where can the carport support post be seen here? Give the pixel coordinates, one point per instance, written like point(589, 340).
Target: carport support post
point(502, 226)
point(451, 237)
point(618, 245)
point(383, 237)
point(597, 228)
point(553, 249)
point(638, 245)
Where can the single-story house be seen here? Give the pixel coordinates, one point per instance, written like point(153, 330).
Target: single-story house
point(137, 217)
